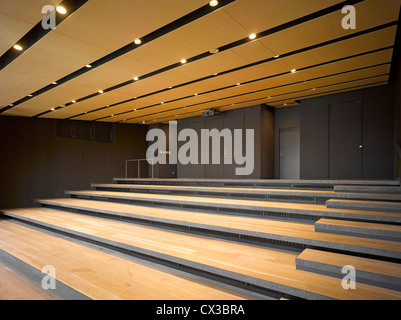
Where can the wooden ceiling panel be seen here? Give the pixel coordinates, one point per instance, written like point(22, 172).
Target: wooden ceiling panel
point(29, 11)
point(364, 43)
point(260, 15)
point(11, 30)
point(113, 24)
point(370, 13)
point(190, 40)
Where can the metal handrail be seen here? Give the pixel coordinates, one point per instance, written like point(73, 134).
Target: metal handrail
point(139, 171)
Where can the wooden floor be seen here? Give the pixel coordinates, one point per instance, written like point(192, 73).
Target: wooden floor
point(96, 274)
point(261, 263)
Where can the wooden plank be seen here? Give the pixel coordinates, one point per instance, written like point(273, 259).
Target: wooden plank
point(365, 205)
point(359, 229)
point(368, 189)
point(267, 268)
point(253, 206)
point(14, 286)
point(96, 274)
point(384, 274)
point(289, 232)
point(249, 191)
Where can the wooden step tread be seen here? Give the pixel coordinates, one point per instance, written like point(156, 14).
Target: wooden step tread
point(370, 271)
point(237, 204)
point(359, 229)
point(270, 269)
point(14, 286)
point(96, 274)
point(241, 191)
point(365, 205)
point(260, 181)
point(261, 228)
point(368, 189)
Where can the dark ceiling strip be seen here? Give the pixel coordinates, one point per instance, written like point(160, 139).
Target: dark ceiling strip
point(231, 86)
point(297, 98)
point(276, 29)
point(257, 91)
point(38, 32)
point(197, 14)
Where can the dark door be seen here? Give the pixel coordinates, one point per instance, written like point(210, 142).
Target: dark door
point(290, 153)
point(345, 140)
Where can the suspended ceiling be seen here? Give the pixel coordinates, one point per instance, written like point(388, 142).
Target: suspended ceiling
point(49, 78)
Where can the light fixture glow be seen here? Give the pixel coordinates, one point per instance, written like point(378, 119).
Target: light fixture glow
point(252, 36)
point(54, 82)
point(52, 109)
point(136, 78)
point(183, 61)
point(73, 101)
point(18, 47)
point(213, 3)
point(29, 95)
point(88, 66)
point(61, 10)
point(277, 56)
point(100, 91)
point(293, 70)
point(137, 41)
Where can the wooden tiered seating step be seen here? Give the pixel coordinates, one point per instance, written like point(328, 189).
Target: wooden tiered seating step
point(252, 193)
point(369, 271)
point(360, 229)
point(96, 274)
point(16, 286)
point(276, 183)
point(248, 207)
point(368, 189)
point(262, 229)
point(255, 266)
point(365, 205)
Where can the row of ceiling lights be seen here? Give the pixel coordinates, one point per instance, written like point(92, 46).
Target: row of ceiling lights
point(62, 10)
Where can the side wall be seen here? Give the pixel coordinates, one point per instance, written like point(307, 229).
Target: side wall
point(377, 133)
point(35, 163)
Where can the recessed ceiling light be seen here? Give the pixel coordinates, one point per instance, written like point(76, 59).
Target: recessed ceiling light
point(213, 3)
point(100, 91)
point(214, 51)
point(215, 74)
point(112, 115)
point(143, 121)
point(88, 66)
point(73, 101)
point(52, 109)
point(61, 10)
point(29, 95)
point(313, 88)
point(195, 94)
point(252, 36)
point(54, 82)
point(284, 104)
point(134, 109)
point(238, 84)
point(277, 56)
point(11, 105)
point(137, 41)
point(183, 61)
point(17, 47)
point(136, 78)
point(161, 102)
point(293, 70)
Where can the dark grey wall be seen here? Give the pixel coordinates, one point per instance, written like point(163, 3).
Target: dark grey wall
point(260, 118)
point(377, 133)
point(285, 118)
point(35, 163)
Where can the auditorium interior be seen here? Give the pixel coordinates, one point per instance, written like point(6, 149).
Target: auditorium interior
point(85, 214)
